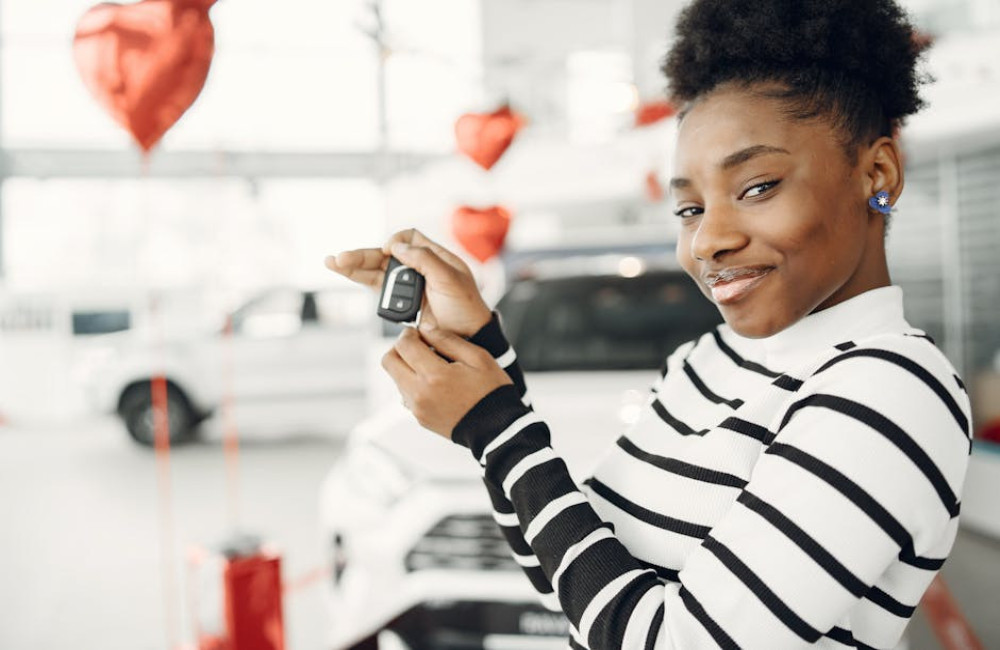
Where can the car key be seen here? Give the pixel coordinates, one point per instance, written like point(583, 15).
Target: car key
point(402, 293)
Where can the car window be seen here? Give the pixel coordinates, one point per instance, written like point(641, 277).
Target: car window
point(101, 322)
point(605, 322)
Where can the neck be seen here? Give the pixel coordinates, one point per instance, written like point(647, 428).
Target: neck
point(872, 272)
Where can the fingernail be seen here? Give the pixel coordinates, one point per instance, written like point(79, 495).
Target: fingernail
point(400, 247)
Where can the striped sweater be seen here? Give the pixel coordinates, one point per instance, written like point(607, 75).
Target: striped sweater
point(800, 490)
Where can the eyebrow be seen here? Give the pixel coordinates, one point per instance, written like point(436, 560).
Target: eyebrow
point(733, 160)
point(743, 155)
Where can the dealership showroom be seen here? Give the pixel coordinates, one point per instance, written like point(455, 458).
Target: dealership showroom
point(499, 324)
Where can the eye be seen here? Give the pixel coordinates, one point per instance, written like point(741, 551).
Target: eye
point(759, 189)
point(691, 211)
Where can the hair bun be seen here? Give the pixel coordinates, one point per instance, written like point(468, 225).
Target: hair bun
point(871, 41)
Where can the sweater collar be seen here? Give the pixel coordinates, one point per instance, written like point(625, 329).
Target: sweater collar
point(876, 311)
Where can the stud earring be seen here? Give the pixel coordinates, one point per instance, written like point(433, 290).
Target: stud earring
point(880, 202)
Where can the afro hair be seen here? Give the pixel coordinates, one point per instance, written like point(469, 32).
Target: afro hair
point(852, 61)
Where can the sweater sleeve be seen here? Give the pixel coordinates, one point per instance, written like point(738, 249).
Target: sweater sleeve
point(491, 338)
point(856, 479)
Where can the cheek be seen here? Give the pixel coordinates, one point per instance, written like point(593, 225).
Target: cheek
point(821, 245)
point(801, 227)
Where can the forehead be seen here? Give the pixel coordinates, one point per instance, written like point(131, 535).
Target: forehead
point(729, 120)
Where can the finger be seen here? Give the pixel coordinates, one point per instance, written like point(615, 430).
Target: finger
point(455, 347)
point(365, 266)
point(371, 279)
point(399, 370)
point(414, 237)
point(424, 261)
point(429, 321)
point(417, 354)
point(427, 317)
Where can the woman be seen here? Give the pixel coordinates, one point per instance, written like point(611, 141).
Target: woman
point(794, 480)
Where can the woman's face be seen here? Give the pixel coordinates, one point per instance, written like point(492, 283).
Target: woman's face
point(774, 217)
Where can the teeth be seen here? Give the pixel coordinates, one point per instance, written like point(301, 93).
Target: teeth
point(729, 276)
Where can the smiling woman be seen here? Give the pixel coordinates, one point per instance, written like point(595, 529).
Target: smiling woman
point(797, 130)
point(767, 230)
point(793, 480)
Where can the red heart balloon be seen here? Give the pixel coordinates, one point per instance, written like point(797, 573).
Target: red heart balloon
point(485, 137)
point(653, 112)
point(654, 189)
point(147, 62)
point(481, 231)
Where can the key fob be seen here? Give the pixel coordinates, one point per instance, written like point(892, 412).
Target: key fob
point(402, 293)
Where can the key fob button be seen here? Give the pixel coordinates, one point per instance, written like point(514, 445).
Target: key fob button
point(400, 304)
point(407, 277)
point(404, 291)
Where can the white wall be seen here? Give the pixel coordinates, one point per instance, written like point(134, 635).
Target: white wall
point(526, 44)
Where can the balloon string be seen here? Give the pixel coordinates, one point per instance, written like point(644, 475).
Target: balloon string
point(307, 579)
point(230, 429)
point(231, 445)
point(161, 440)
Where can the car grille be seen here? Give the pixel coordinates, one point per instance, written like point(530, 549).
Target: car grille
point(462, 543)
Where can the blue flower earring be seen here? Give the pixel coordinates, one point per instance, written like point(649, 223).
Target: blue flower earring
point(880, 202)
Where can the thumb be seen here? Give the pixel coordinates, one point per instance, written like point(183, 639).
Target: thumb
point(453, 346)
point(423, 260)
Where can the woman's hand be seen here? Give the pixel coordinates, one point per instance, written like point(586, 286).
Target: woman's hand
point(453, 300)
point(439, 392)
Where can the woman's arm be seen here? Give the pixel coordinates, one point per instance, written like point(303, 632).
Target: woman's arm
point(834, 502)
point(492, 339)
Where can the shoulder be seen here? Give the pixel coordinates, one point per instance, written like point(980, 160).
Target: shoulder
point(887, 421)
point(897, 371)
point(892, 394)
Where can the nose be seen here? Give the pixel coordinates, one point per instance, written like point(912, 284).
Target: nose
point(718, 233)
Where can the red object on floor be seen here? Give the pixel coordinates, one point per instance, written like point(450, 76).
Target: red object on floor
point(252, 605)
point(946, 619)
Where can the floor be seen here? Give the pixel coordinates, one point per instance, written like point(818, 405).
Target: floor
point(80, 551)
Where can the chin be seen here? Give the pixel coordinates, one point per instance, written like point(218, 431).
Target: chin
point(751, 326)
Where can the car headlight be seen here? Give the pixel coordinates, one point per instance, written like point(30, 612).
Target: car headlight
point(633, 403)
point(376, 474)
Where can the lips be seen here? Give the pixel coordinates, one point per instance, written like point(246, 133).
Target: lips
point(732, 285)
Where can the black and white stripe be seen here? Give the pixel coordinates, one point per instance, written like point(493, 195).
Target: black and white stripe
point(755, 572)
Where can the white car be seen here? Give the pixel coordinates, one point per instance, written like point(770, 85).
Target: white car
point(418, 561)
point(293, 363)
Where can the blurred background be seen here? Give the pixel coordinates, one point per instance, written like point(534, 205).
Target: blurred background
point(530, 136)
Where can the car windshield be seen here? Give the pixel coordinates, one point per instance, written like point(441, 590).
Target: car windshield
point(604, 322)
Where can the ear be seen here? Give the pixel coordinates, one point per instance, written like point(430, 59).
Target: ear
point(882, 168)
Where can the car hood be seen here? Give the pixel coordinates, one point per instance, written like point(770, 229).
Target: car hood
point(586, 412)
